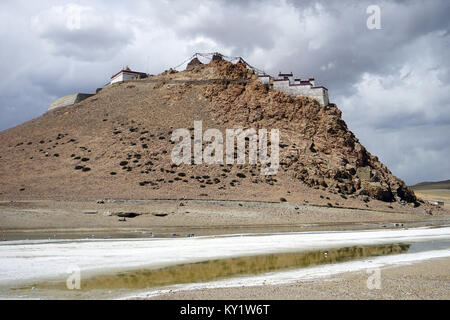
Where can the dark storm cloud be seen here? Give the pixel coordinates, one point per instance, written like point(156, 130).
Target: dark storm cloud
point(225, 24)
point(393, 84)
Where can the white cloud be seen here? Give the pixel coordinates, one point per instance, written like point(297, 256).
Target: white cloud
point(83, 32)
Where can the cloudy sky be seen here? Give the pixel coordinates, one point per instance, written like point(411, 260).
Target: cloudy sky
point(392, 84)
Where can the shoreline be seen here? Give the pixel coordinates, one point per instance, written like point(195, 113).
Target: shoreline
point(429, 279)
point(200, 217)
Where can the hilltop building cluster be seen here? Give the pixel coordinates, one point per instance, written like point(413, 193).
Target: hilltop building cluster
point(285, 82)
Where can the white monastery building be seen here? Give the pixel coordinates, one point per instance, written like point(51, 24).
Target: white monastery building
point(126, 74)
point(286, 82)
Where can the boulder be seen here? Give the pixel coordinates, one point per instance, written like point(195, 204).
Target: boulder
point(363, 173)
point(193, 63)
point(216, 58)
point(379, 191)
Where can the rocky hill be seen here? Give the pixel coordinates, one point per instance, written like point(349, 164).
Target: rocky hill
point(116, 144)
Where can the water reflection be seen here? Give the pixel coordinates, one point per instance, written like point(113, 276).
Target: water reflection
point(225, 268)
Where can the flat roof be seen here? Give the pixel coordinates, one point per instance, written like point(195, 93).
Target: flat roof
point(127, 71)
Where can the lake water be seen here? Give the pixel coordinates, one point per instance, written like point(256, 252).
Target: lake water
point(114, 268)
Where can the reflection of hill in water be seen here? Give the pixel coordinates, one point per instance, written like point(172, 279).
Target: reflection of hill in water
point(218, 269)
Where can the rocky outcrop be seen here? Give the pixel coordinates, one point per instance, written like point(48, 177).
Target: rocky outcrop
point(69, 100)
point(319, 149)
point(193, 63)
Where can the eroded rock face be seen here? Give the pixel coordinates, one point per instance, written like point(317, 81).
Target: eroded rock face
point(320, 150)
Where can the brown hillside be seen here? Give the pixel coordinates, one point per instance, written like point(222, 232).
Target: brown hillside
point(432, 185)
point(116, 144)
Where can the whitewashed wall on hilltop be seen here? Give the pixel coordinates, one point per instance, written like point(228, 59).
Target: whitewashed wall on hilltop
point(318, 93)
